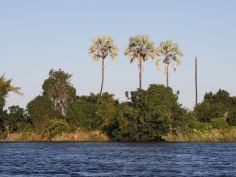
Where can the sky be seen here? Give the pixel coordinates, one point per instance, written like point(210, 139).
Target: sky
point(36, 36)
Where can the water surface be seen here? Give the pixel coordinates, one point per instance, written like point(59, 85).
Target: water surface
point(117, 159)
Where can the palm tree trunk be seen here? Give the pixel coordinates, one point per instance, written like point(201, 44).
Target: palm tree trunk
point(140, 73)
point(167, 75)
point(103, 68)
point(196, 87)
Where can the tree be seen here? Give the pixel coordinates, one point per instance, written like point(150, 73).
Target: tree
point(100, 48)
point(142, 48)
point(170, 52)
point(59, 90)
point(5, 87)
point(232, 118)
point(157, 101)
point(82, 113)
point(215, 105)
point(16, 120)
point(42, 111)
point(149, 115)
point(86, 114)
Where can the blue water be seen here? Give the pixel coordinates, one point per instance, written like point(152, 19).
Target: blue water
point(117, 159)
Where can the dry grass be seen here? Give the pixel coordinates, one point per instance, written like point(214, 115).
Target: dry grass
point(214, 135)
point(82, 135)
point(79, 135)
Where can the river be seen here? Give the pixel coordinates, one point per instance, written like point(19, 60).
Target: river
point(116, 159)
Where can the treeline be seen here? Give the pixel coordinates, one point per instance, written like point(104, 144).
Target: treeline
point(147, 115)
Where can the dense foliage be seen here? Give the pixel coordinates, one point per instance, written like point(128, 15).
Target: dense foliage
point(147, 115)
point(59, 90)
point(216, 105)
point(42, 111)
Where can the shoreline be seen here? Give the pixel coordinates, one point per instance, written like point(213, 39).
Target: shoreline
point(213, 135)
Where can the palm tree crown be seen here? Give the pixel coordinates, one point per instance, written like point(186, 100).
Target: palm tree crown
point(141, 47)
point(5, 86)
point(170, 53)
point(103, 46)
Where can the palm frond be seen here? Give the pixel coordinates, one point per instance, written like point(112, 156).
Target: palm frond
point(101, 47)
point(169, 51)
point(5, 86)
point(140, 45)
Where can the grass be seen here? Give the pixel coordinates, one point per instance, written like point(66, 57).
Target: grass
point(212, 135)
point(78, 135)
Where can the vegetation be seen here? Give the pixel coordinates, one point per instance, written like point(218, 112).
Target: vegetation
point(48, 112)
point(59, 90)
point(9, 122)
point(5, 87)
point(169, 52)
point(216, 105)
point(148, 115)
point(140, 48)
point(101, 47)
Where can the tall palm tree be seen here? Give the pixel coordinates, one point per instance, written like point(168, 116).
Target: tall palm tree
point(100, 48)
point(142, 48)
point(169, 52)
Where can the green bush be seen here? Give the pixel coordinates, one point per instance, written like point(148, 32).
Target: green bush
point(42, 111)
point(86, 114)
point(148, 115)
point(57, 126)
point(232, 118)
point(215, 105)
point(219, 123)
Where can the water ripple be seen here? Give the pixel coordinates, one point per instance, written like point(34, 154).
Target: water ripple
point(117, 159)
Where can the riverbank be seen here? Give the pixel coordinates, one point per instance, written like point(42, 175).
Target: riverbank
point(79, 135)
point(213, 135)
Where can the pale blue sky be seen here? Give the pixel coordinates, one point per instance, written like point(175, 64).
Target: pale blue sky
point(36, 36)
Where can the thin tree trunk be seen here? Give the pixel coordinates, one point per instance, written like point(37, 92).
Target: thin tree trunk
point(140, 72)
point(196, 86)
point(7, 130)
point(167, 75)
point(103, 67)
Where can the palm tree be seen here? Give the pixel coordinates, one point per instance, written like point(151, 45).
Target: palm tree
point(5, 87)
point(170, 52)
point(101, 47)
point(142, 48)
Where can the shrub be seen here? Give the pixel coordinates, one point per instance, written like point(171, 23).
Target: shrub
point(219, 123)
point(42, 111)
point(57, 126)
point(148, 115)
point(86, 114)
point(232, 118)
point(215, 105)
